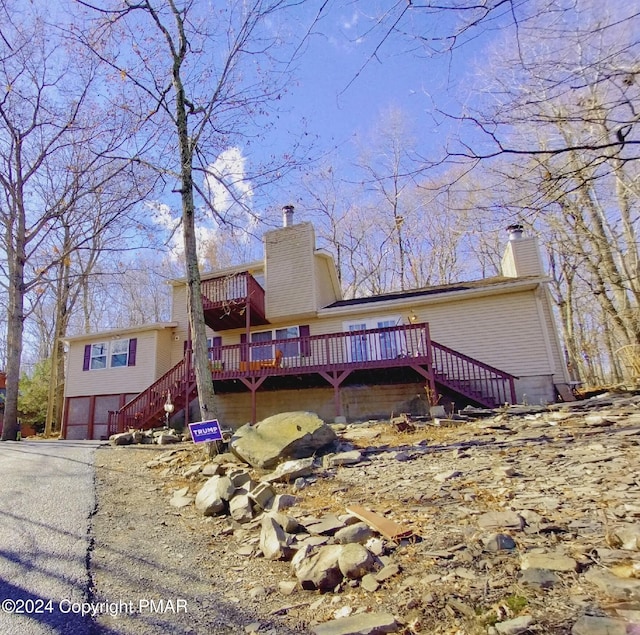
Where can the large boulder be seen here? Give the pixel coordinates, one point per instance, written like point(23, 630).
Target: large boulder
point(289, 435)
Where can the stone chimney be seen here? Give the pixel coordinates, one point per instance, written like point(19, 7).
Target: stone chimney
point(287, 215)
point(522, 255)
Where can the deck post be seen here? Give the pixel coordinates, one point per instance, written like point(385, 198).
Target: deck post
point(253, 383)
point(335, 378)
point(431, 377)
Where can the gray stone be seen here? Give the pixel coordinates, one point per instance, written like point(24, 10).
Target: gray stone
point(629, 536)
point(344, 458)
point(589, 625)
point(300, 483)
point(369, 583)
point(538, 578)
point(192, 471)
point(359, 532)
point(319, 570)
point(274, 542)
point(239, 477)
point(245, 550)
point(375, 546)
point(281, 501)
point(288, 523)
point(211, 469)
point(500, 520)
point(289, 471)
point(615, 587)
point(387, 572)
point(167, 438)
point(123, 438)
point(241, 509)
point(446, 476)
point(361, 624)
point(327, 525)
point(515, 626)
point(506, 470)
point(550, 561)
point(287, 587)
point(262, 495)
point(499, 542)
point(213, 495)
point(355, 561)
point(180, 500)
point(290, 435)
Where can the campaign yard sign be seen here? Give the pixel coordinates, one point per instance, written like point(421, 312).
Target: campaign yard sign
point(205, 431)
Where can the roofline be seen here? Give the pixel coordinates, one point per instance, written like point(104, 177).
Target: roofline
point(154, 326)
point(429, 297)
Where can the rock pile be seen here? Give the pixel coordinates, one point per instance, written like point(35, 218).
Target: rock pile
point(522, 520)
point(161, 436)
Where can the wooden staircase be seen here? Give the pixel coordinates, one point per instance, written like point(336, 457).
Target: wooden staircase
point(479, 382)
point(146, 410)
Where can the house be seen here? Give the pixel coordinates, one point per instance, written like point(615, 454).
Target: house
point(283, 338)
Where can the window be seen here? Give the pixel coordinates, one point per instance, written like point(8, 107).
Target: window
point(98, 356)
point(388, 340)
point(119, 353)
point(270, 340)
point(264, 352)
point(116, 354)
point(385, 343)
point(289, 349)
point(358, 341)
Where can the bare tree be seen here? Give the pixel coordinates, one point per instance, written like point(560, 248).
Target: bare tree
point(46, 111)
point(195, 79)
point(558, 108)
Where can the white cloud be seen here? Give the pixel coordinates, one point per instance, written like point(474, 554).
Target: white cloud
point(226, 184)
point(230, 195)
point(352, 22)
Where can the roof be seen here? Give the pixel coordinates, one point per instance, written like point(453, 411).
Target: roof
point(155, 326)
point(485, 283)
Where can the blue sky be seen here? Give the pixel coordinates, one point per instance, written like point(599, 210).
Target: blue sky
point(339, 92)
point(342, 91)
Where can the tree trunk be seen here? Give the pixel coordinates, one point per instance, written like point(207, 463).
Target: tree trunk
point(15, 325)
point(204, 382)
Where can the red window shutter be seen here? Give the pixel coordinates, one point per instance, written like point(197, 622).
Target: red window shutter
point(86, 364)
point(216, 351)
point(305, 343)
point(243, 348)
point(133, 345)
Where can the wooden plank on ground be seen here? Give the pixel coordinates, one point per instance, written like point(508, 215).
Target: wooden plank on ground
point(565, 392)
point(388, 528)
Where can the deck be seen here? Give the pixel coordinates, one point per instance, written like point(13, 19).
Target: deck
point(333, 357)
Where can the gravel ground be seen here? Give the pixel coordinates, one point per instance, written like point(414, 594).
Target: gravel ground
point(153, 568)
point(568, 475)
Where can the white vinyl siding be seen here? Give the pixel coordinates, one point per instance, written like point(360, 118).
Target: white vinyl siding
point(290, 272)
point(500, 330)
point(126, 379)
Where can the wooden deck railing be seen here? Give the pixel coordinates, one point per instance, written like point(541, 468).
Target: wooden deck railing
point(406, 345)
point(471, 377)
point(371, 348)
point(234, 289)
